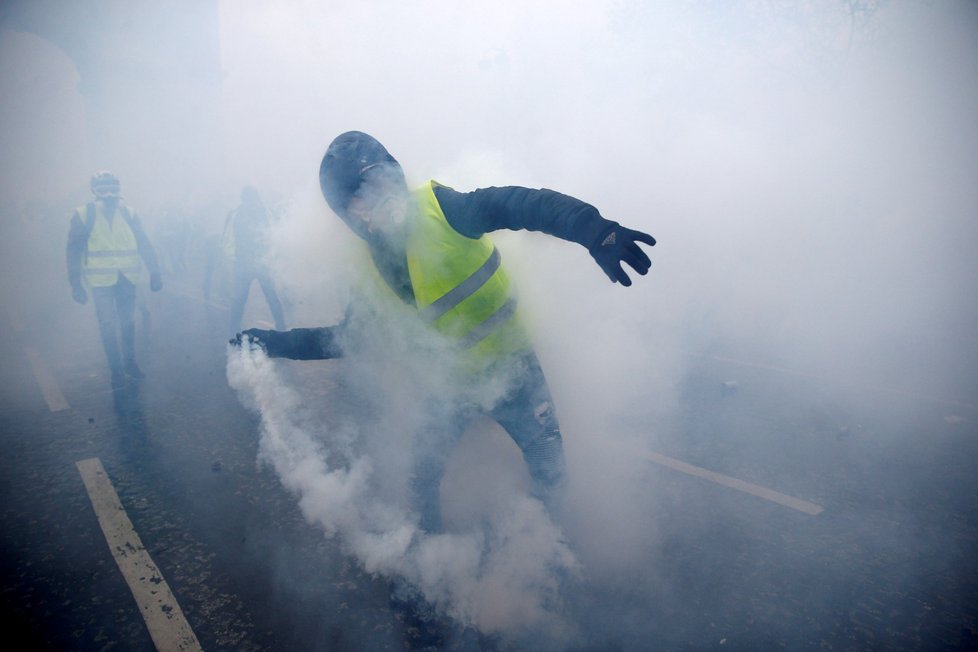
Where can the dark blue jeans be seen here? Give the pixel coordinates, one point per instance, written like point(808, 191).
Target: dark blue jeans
point(115, 308)
point(527, 414)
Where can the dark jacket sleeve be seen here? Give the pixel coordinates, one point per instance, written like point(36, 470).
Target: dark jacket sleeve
point(146, 251)
point(77, 243)
point(304, 343)
point(516, 208)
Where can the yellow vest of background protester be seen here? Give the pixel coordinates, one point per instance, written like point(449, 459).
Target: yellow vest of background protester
point(111, 250)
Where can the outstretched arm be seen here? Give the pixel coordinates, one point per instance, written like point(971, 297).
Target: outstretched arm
point(516, 208)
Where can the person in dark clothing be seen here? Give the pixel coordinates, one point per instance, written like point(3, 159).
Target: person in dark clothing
point(431, 249)
point(244, 244)
point(106, 241)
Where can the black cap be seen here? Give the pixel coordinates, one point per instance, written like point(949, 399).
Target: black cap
point(346, 159)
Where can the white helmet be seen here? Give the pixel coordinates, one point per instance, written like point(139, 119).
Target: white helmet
point(104, 184)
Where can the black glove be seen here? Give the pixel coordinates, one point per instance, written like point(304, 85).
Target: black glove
point(256, 336)
point(155, 282)
point(620, 246)
point(78, 294)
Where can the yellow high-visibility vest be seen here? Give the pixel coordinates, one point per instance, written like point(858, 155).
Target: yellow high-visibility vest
point(111, 250)
point(459, 284)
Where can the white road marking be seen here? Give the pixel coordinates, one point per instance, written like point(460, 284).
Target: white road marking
point(164, 618)
point(734, 483)
point(49, 387)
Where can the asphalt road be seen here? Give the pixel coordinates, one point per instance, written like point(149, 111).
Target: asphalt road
point(889, 563)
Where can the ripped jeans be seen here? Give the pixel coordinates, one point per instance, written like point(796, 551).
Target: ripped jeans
point(527, 414)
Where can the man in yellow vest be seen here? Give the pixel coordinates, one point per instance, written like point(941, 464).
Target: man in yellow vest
point(430, 248)
point(105, 244)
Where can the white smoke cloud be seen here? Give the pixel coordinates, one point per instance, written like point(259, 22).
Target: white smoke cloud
point(347, 456)
point(765, 147)
point(808, 169)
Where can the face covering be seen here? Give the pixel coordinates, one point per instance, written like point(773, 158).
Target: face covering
point(381, 201)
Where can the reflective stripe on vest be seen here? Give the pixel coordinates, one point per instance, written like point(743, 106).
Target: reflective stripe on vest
point(459, 284)
point(112, 250)
point(495, 321)
point(463, 290)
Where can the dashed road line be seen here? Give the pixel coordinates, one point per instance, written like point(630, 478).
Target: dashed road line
point(733, 483)
point(165, 621)
point(45, 379)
